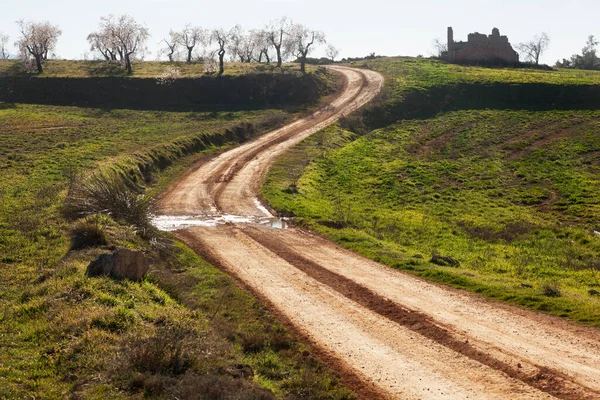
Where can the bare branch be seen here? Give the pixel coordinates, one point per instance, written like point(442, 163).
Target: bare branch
point(533, 49)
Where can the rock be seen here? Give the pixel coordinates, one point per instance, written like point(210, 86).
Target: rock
point(121, 264)
point(593, 292)
point(444, 260)
point(527, 285)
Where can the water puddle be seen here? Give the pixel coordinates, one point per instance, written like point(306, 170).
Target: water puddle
point(174, 223)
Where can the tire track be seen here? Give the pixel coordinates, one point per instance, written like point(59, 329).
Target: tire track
point(545, 379)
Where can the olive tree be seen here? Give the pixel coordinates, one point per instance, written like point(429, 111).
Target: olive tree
point(263, 46)
point(172, 43)
point(332, 52)
point(245, 47)
point(37, 41)
point(223, 39)
point(128, 36)
point(102, 42)
point(191, 37)
point(279, 36)
point(304, 41)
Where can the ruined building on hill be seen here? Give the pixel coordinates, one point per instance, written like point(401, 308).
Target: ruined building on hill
point(481, 48)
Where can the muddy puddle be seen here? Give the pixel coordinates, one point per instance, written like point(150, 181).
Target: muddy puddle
point(174, 223)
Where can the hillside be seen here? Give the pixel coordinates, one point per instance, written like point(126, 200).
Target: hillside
point(508, 190)
point(186, 328)
point(141, 69)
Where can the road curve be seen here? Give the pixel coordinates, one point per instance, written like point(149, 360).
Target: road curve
point(398, 335)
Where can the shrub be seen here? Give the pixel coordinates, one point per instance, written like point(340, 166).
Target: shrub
point(551, 289)
point(210, 387)
point(166, 352)
point(88, 232)
point(106, 193)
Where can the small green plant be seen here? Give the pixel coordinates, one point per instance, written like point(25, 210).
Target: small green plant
point(551, 289)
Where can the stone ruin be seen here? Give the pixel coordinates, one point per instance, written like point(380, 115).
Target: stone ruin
point(481, 48)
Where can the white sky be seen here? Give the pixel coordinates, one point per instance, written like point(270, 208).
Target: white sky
point(358, 28)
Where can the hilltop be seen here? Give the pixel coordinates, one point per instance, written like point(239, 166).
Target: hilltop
point(141, 69)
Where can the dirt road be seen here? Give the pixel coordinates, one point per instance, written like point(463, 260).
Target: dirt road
point(391, 334)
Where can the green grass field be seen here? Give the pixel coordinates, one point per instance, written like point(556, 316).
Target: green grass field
point(406, 74)
point(186, 329)
point(141, 69)
point(513, 195)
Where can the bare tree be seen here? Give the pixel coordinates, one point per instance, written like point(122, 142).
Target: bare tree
point(102, 42)
point(245, 47)
point(278, 35)
point(128, 36)
point(3, 46)
point(192, 36)
point(252, 44)
point(440, 48)
point(263, 46)
point(304, 40)
point(332, 52)
point(236, 45)
point(172, 44)
point(37, 40)
point(223, 39)
point(534, 48)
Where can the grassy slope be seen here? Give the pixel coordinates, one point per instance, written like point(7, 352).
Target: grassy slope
point(405, 74)
point(513, 195)
point(63, 334)
point(143, 69)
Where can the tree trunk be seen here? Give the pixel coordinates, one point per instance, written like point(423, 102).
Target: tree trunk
point(221, 62)
point(189, 57)
point(303, 62)
point(128, 64)
point(38, 64)
point(278, 48)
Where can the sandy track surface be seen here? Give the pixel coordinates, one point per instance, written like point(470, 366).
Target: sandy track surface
point(390, 333)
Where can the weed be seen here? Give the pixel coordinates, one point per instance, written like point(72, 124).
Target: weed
point(88, 232)
point(106, 193)
point(551, 289)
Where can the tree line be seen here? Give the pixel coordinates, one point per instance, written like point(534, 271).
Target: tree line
point(123, 39)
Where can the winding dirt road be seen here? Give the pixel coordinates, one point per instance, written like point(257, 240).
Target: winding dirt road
point(390, 334)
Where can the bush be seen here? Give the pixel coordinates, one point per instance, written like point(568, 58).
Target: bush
point(210, 387)
point(551, 289)
point(88, 232)
point(107, 193)
point(165, 352)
